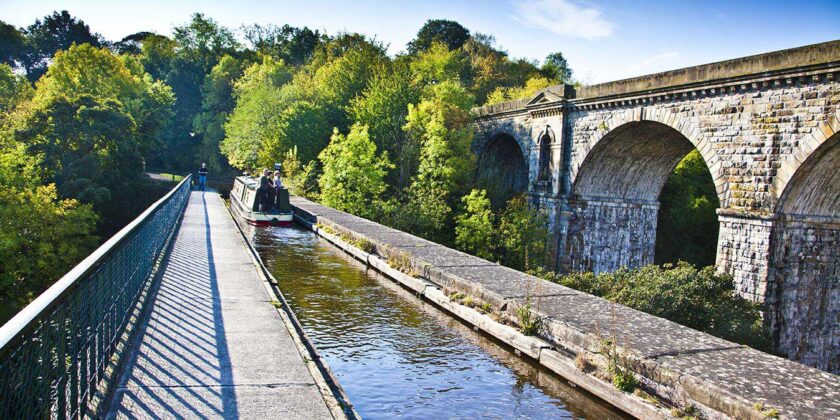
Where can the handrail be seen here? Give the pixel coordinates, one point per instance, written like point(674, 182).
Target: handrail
point(71, 328)
point(23, 319)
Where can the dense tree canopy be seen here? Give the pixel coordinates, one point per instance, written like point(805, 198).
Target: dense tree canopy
point(80, 117)
point(448, 32)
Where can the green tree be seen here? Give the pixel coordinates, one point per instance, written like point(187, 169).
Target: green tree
point(302, 126)
point(92, 117)
point(12, 44)
point(259, 102)
point(439, 64)
point(294, 46)
point(532, 86)
point(687, 227)
point(491, 68)
point(556, 68)
point(42, 237)
point(446, 32)
point(132, 44)
point(442, 125)
point(84, 70)
point(300, 179)
point(383, 107)
point(524, 234)
point(217, 103)
point(474, 229)
point(14, 89)
point(354, 175)
point(55, 33)
point(197, 48)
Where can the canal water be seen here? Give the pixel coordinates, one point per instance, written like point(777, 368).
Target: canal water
point(397, 356)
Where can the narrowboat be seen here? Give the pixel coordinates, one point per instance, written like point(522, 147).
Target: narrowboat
point(244, 200)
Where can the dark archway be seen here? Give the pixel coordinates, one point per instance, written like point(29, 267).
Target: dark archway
point(502, 169)
point(544, 172)
point(803, 297)
point(615, 196)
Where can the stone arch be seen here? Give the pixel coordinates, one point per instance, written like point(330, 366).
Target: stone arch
point(808, 145)
point(803, 294)
point(544, 141)
point(502, 168)
point(614, 201)
point(688, 130)
point(487, 137)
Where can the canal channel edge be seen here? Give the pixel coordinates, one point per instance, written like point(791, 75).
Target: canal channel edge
point(331, 391)
point(534, 348)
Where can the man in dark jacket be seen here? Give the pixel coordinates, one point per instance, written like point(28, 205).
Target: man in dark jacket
point(264, 190)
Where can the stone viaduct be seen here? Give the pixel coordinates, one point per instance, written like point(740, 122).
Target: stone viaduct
point(596, 158)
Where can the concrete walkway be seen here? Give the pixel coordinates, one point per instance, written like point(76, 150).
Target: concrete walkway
point(212, 344)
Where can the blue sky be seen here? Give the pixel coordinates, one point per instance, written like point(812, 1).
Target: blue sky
point(603, 40)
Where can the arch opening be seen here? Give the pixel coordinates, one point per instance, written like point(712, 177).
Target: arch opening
point(803, 296)
point(502, 170)
point(618, 218)
point(544, 173)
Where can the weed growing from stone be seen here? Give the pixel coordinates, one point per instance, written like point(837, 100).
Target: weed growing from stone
point(529, 324)
point(401, 262)
point(365, 245)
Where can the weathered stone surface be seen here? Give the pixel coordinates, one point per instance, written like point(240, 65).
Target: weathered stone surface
point(767, 127)
point(682, 364)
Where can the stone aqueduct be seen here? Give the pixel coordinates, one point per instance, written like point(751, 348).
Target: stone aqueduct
point(768, 127)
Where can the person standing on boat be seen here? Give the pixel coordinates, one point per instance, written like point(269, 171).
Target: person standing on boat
point(266, 185)
point(202, 176)
point(278, 185)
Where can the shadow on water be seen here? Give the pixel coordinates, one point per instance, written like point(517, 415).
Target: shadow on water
point(182, 357)
point(396, 355)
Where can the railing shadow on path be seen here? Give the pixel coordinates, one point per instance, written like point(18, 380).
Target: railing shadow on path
point(181, 361)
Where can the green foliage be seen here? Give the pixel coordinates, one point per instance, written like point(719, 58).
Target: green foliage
point(41, 238)
point(623, 378)
point(302, 125)
point(383, 107)
point(687, 229)
point(474, 230)
point(353, 178)
point(55, 33)
point(290, 44)
point(14, 89)
point(523, 234)
point(12, 43)
point(298, 178)
point(699, 299)
point(490, 68)
point(557, 68)
point(532, 86)
point(442, 126)
point(439, 64)
point(218, 101)
point(446, 32)
point(529, 323)
point(259, 102)
point(92, 117)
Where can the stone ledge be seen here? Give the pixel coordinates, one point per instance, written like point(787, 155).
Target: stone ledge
point(679, 364)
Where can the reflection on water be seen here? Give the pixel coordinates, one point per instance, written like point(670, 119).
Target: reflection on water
point(395, 355)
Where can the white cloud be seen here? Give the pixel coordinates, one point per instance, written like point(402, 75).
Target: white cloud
point(563, 17)
point(653, 62)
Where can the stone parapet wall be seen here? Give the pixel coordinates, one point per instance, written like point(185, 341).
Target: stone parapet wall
point(675, 363)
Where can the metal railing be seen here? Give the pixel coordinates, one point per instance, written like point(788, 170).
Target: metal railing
point(55, 352)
